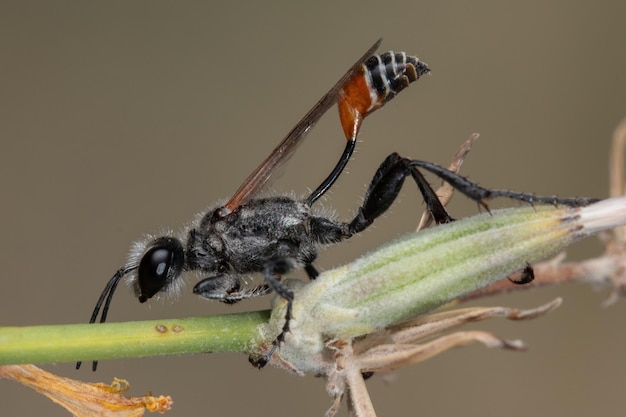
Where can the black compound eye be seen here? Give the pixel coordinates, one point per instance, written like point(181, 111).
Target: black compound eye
point(159, 266)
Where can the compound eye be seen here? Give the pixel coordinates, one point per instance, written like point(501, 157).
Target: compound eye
point(159, 266)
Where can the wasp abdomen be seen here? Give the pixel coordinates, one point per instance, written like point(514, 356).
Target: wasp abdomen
point(391, 72)
point(379, 80)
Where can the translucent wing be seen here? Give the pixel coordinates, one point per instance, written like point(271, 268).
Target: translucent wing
point(286, 148)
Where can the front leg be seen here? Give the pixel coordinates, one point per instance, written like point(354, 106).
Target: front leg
point(227, 289)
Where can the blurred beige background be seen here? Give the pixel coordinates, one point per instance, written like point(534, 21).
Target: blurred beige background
point(119, 119)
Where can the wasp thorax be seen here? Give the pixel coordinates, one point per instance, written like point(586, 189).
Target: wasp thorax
point(159, 266)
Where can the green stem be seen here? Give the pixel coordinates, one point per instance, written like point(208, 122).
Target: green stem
point(395, 283)
point(74, 342)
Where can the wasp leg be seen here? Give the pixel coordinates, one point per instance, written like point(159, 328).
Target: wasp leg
point(272, 272)
point(227, 289)
point(479, 194)
point(311, 271)
point(526, 276)
point(385, 187)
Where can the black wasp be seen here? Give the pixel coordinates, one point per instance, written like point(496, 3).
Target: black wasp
point(274, 235)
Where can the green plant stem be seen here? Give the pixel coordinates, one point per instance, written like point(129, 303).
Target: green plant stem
point(74, 342)
point(395, 283)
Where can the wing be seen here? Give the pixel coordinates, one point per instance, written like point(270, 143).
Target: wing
point(285, 149)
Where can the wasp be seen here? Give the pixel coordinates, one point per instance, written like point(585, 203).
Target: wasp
point(275, 235)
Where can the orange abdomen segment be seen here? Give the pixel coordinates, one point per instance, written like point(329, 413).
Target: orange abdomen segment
point(354, 103)
point(379, 79)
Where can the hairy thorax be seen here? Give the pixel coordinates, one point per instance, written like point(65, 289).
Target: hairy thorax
point(242, 241)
